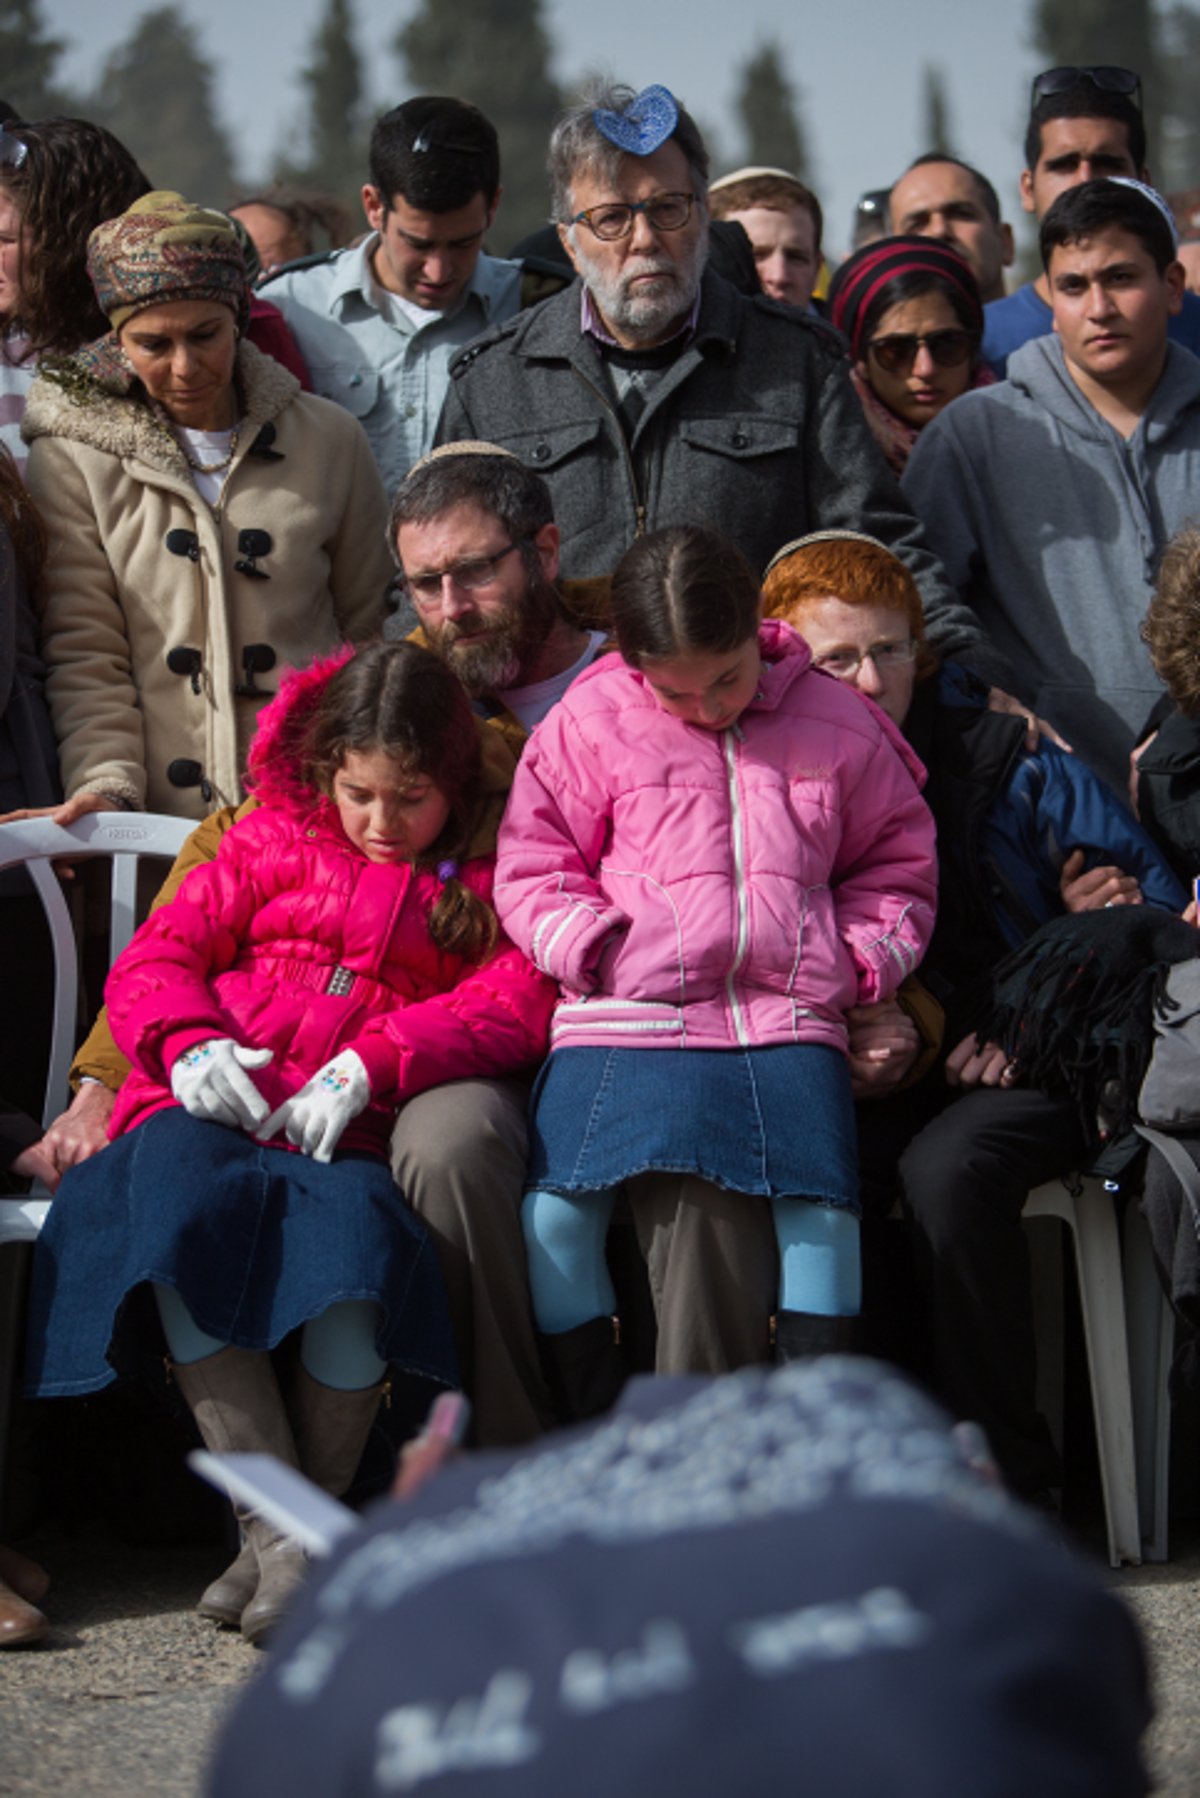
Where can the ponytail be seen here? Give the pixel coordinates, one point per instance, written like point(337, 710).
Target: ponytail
point(461, 922)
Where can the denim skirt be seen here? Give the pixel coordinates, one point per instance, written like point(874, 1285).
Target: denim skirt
point(776, 1122)
point(257, 1240)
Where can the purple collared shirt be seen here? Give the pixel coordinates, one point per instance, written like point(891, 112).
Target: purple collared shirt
point(592, 324)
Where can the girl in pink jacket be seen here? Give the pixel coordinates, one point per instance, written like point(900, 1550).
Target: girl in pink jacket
point(716, 851)
point(339, 956)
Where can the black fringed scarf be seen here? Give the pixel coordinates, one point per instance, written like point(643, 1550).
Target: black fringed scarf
point(1073, 1008)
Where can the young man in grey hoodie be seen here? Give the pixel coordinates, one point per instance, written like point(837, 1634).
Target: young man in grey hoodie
point(1049, 498)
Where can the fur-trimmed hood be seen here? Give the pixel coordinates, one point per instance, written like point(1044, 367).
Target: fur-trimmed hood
point(274, 767)
point(66, 402)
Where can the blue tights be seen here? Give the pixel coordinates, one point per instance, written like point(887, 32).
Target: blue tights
point(337, 1348)
point(820, 1269)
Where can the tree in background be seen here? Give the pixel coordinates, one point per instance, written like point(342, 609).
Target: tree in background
point(28, 60)
point(772, 134)
point(1089, 33)
point(1180, 154)
point(155, 93)
point(337, 133)
point(935, 131)
point(495, 53)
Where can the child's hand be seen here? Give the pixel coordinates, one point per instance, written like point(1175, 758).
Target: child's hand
point(315, 1117)
point(210, 1081)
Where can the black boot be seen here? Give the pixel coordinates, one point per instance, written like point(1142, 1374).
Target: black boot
point(801, 1335)
point(584, 1368)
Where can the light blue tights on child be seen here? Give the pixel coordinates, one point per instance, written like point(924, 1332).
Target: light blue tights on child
point(820, 1269)
point(337, 1348)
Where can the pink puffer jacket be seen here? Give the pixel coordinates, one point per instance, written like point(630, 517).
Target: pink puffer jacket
point(706, 890)
point(291, 940)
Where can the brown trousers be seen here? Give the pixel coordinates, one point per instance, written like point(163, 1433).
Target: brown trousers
point(458, 1155)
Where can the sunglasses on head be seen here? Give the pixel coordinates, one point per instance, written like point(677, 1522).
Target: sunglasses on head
point(1108, 79)
point(949, 349)
point(874, 203)
point(13, 150)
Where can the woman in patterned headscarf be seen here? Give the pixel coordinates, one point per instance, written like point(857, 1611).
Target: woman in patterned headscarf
point(209, 523)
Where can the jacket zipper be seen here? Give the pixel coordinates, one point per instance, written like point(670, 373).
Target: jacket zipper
point(639, 509)
point(739, 876)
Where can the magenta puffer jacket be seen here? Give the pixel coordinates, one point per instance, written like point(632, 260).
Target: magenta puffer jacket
point(292, 941)
point(707, 890)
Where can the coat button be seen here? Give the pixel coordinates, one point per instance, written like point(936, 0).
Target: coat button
point(542, 453)
point(183, 543)
point(356, 379)
point(740, 440)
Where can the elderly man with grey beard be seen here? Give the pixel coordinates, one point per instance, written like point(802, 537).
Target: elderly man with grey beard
point(652, 393)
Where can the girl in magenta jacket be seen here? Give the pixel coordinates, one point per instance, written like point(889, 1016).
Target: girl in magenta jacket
point(339, 956)
point(716, 850)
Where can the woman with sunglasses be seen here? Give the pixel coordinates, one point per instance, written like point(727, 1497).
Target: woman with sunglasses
point(911, 310)
point(58, 181)
point(209, 524)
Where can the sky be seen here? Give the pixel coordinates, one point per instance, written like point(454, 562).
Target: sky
point(856, 65)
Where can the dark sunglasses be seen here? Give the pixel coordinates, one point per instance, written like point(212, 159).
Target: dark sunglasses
point(949, 349)
point(1108, 79)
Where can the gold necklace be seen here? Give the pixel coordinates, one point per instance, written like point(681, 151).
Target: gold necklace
point(213, 467)
point(165, 423)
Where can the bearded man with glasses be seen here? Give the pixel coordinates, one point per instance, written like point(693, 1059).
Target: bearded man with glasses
point(651, 393)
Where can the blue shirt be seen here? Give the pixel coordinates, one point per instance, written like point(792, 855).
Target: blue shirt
point(372, 358)
point(1012, 321)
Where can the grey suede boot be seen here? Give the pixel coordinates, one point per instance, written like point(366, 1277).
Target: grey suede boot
point(235, 1399)
point(331, 1429)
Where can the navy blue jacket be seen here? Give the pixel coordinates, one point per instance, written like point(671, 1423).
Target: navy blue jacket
point(1007, 821)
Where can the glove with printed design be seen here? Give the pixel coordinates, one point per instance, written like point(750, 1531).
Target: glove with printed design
point(314, 1118)
point(210, 1081)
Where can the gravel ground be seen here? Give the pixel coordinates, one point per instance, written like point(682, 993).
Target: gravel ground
point(127, 1694)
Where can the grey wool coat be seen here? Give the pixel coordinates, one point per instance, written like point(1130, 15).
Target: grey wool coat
point(755, 432)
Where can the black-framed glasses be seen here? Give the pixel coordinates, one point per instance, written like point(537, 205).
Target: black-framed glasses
point(897, 353)
point(478, 572)
point(665, 212)
point(13, 150)
point(844, 664)
point(1106, 76)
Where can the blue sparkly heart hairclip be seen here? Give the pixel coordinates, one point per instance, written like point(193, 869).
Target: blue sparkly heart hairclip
point(644, 126)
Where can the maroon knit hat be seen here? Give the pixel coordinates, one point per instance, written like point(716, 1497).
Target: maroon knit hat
point(869, 270)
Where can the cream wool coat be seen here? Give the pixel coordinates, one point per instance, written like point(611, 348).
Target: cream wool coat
point(112, 483)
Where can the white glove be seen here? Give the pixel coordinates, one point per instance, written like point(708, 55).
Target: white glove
point(315, 1117)
point(210, 1082)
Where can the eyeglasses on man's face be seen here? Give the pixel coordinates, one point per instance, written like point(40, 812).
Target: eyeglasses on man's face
point(844, 664)
point(480, 571)
point(665, 212)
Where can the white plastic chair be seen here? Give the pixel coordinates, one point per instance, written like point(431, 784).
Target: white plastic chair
point(1151, 1324)
point(1089, 1212)
point(123, 838)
